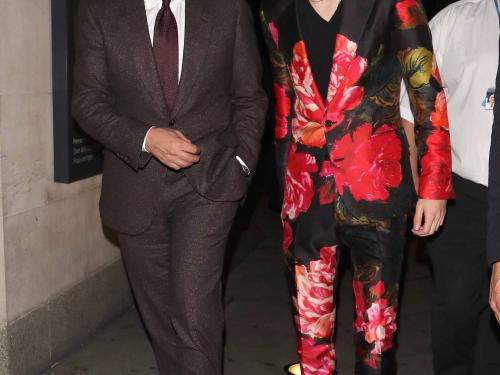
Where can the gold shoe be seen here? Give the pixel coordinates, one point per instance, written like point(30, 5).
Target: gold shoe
point(294, 369)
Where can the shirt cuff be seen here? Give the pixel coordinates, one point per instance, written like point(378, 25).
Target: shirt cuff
point(144, 149)
point(243, 166)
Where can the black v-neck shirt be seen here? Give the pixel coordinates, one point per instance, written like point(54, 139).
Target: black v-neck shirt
point(319, 37)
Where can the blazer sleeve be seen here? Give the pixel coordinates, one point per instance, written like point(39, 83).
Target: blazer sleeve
point(283, 96)
point(92, 103)
point(412, 44)
point(494, 185)
point(249, 101)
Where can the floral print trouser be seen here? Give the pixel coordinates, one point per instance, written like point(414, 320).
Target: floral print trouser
point(376, 252)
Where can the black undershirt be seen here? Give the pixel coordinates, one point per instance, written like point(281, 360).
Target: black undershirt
point(319, 37)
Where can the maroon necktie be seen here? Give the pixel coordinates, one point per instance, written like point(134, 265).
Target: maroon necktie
point(166, 52)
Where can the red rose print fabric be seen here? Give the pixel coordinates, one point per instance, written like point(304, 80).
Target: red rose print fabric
point(376, 307)
point(437, 185)
point(317, 359)
point(309, 109)
point(315, 308)
point(287, 236)
point(343, 94)
point(439, 117)
point(359, 298)
point(367, 162)
point(411, 14)
point(299, 188)
point(274, 33)
point(381, 326)
point(314, 301)
point(282, 111)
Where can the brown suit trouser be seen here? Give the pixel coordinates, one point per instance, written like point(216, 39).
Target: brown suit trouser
point(175, 270)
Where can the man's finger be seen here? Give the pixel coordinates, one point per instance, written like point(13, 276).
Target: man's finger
point(172, 165)
point(495, 292)
point(441, 221)
point(418, 218)
point(438, 222)
point(434, 226)
point(181, 162)
point(497, 309)
point(496, 289)
point(494, 304)
point(187, 146)
point(181, 158)
point(178, 149)
point(172, 161)
point(428, 221)
point(188, 157)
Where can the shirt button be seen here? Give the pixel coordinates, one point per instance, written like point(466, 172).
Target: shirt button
point(328, 123)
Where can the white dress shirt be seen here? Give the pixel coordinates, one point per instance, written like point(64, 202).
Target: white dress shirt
point(465, 37)
point(178, 8)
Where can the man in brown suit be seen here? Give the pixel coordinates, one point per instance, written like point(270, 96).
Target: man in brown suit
point(171, 89)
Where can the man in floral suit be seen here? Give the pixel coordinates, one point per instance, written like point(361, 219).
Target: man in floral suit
point(344, 160)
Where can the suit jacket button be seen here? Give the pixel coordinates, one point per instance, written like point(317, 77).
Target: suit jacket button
point(172, 122)
point(328, 123)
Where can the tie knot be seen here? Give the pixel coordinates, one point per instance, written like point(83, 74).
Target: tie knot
point(166, 3)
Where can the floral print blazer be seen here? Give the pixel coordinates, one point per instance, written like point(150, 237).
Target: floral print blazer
point(359, 125)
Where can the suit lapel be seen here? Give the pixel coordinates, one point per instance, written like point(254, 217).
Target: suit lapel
point(283, 16)
point(355, 17)
point(286, 22)
point(134, 28)
point(197, 39)
point(347, 67)
point(302, 57)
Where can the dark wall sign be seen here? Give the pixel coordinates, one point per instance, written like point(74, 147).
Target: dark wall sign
point(76, 156)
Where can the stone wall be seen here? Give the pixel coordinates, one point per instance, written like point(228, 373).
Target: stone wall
point(60, 274)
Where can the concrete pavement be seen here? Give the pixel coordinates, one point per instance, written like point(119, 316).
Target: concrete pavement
point(260, 336)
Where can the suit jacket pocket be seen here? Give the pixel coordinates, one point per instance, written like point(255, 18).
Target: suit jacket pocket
point(232, 182)
point(218, 175)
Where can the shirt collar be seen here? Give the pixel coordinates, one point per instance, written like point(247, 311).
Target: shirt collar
point(152, 4)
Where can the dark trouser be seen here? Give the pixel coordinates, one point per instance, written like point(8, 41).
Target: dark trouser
point(377, 251)
point(175, 269)
point(377, 255)
point(463, 331)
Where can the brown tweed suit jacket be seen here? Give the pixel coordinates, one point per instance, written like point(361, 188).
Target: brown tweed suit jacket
point(117, 97)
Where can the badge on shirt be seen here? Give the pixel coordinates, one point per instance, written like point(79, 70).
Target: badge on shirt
point(488, 102)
